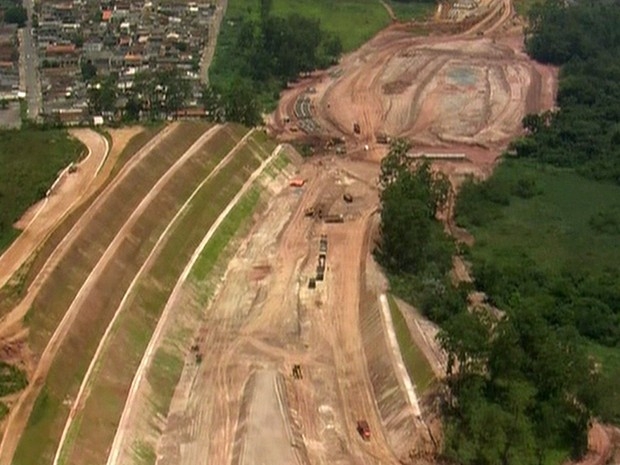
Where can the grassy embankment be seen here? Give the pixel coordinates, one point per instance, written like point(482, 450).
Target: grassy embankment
point(31, 160)
point(165, 371)
point(554, 229)
point(417, 365)
point(92, 434)
point(131, 332)
point(59, 291)
point(12, 291)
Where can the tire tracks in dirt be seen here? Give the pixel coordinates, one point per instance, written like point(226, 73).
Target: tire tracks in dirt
point(49, 216)
point(117, 445)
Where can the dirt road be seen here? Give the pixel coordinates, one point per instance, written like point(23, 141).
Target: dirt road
point(67, 193)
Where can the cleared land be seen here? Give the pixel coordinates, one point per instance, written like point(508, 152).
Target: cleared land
point(446, 94)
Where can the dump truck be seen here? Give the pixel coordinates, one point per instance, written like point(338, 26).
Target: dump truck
point(348, 198)
point(323, 244)
point(334, 218)
point(363, 429)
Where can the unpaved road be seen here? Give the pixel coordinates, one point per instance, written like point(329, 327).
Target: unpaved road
point(70, 189)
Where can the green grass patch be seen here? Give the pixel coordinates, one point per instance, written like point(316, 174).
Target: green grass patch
point(12, 379)
point(353, 21)
point(556, 227)
point(229, 227)
point(417, 365)
point(407, 11)
point(31, 160)
point(144, 453)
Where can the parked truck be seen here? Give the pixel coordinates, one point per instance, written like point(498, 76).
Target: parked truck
point(363, 429)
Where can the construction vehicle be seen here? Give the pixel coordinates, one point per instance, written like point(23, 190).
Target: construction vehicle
point(72, 168)
point(322, 260)
point(334, 218)
point(363, 429)
point(348, 198)
point(323, 244)
point(312, 283)
point(383, 138)
point(356, 128)
point(297, 374)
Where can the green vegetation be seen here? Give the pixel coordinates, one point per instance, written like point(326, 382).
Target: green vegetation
point(30, 160)
point(547, 229)
point(414, 249)
point(417, 365)
point(416, 9)
point(352, 21)
point(264, 44)
point(12, 379)
point(584, 134)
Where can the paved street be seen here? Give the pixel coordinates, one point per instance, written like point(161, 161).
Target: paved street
point(30, 60)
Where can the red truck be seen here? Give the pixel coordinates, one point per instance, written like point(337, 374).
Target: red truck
point(363, 429)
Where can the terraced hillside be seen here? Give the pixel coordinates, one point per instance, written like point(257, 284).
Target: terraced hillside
point(95, 310)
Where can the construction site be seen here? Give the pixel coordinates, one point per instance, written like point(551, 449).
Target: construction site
point(215, 299)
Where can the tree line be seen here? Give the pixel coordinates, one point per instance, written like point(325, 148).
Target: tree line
point(584, 133)
point(258, 55)
point(517, 390)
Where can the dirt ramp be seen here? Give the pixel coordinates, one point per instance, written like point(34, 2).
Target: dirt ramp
point(265, 433)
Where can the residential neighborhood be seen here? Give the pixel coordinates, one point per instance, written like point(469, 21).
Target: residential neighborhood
point(91, 53)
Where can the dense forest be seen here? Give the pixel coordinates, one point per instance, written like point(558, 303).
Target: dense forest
point(414, 249)
point(522, 390)
point(546, 225)
point(585, 132)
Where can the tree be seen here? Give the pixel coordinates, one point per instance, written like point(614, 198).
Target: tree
point(89, 70)
point(240, 104)
point(16, 15)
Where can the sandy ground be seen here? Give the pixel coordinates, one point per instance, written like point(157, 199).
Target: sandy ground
point(68, 191)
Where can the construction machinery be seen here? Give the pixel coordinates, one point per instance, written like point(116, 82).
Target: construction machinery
point(347, 198)
point(356, 128)
point(363, 429)
point(297, 374)
point(334, 218)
